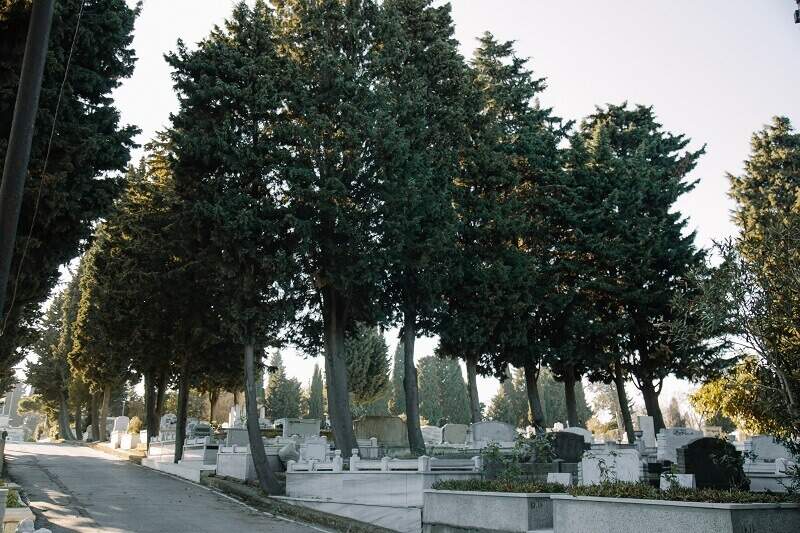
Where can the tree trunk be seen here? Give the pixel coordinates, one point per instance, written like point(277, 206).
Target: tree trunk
point(213, 398)
point(149, 407)
point(78, 416)
point(63, 418)
point(333, 311)
point(104, 436)
point(183, 408)
point(619, 384)
point(415, 441)
point(266, 478)
point(650, 396)
point(161, 393)
point(569, 395)
point(472, 385)
point(534, 400)
point(94, 414)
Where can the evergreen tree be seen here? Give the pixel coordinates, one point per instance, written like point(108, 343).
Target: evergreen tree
point(421, 80)
point(510, 404)
point(674, 418)
point(316, 400)
point(397, 403)
point(443, 393)
point(283, 398)
point(330, 184)
point(554, 401)
point(89, 147)
point(642, 171)
point(228, 150)
point(367, 364)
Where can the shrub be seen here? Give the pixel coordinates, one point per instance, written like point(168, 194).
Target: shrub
point(135, 425)
point(12, 500)
point(639, 491)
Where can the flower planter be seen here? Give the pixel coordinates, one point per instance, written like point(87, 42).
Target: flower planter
point(446, 511)
point(584, 514)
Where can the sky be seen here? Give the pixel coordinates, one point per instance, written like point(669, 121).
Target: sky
point(715, 70)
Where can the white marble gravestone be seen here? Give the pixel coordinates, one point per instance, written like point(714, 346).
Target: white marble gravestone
point(622, 464)
point(235, 417)
point(168, 422)
point(767, 449)
point(685, 481)
point(432, 435)
point(454, 433)
point(301, 427)
point(481, 434)
point(121, 424)
point(562, 478)
point(670, 439)
point(648, 429)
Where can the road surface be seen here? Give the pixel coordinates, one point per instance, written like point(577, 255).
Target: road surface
point(76, 489)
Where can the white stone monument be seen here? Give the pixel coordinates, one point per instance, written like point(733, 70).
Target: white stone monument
point(670, 439)
point(623, 464)
point(648, 429)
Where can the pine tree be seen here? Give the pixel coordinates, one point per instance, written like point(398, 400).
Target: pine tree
point(89, 149)
point(443, 393)
point(510, 404)
point(283, 398)
point(316, 400)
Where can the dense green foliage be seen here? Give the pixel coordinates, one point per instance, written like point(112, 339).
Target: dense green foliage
point(442, 392)
point(283, 397)
point(315, 399)
point(90, 148)
point(639, 491)
point(367, 364)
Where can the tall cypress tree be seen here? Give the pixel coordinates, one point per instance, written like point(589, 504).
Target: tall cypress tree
point(367, 364)
point(330, 181)
point(283, 397)
point(421, 80)
point(316, 396)
point(443, 393)
point(90, 147)
point(645, 245)
point(227, 144)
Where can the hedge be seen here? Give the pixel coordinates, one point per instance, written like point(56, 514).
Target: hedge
point(641, 491)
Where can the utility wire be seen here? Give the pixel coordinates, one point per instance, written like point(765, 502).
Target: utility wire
point(44, 169)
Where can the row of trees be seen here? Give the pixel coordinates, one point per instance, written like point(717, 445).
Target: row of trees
point(335, 168)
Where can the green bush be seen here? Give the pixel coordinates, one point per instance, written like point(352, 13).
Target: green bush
point(639, 491)
point(498, 485)
point(12, 500)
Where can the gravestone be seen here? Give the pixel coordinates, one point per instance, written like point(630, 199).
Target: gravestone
point(670, 439)
point(684, 481)
point(200, 429)
point(391, 431)
point(588, 438)
point(568, 446)
point(715, 463)
point(623, 464)
point(481, 434)
point(302, 427)
point(168, 422)
point(558, 426)
point(121, 424)
point(432, 435)
point(648, 429)
point(767, 449)
point(713, 431)
point(235, 417)
point(454, 433)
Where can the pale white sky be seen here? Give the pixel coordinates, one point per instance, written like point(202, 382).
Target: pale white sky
point(716, 70)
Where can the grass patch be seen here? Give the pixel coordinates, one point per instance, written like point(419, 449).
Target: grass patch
point(640, 491)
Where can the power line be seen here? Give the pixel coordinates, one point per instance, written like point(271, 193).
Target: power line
point(34, 31)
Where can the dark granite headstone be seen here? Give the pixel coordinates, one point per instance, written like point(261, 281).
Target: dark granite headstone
point(568, 447)
point(715, 463)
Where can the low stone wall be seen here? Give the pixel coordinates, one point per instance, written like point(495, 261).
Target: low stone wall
point(600, 515)
point(449, 511)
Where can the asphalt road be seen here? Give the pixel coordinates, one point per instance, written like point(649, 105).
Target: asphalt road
point(78, 489)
